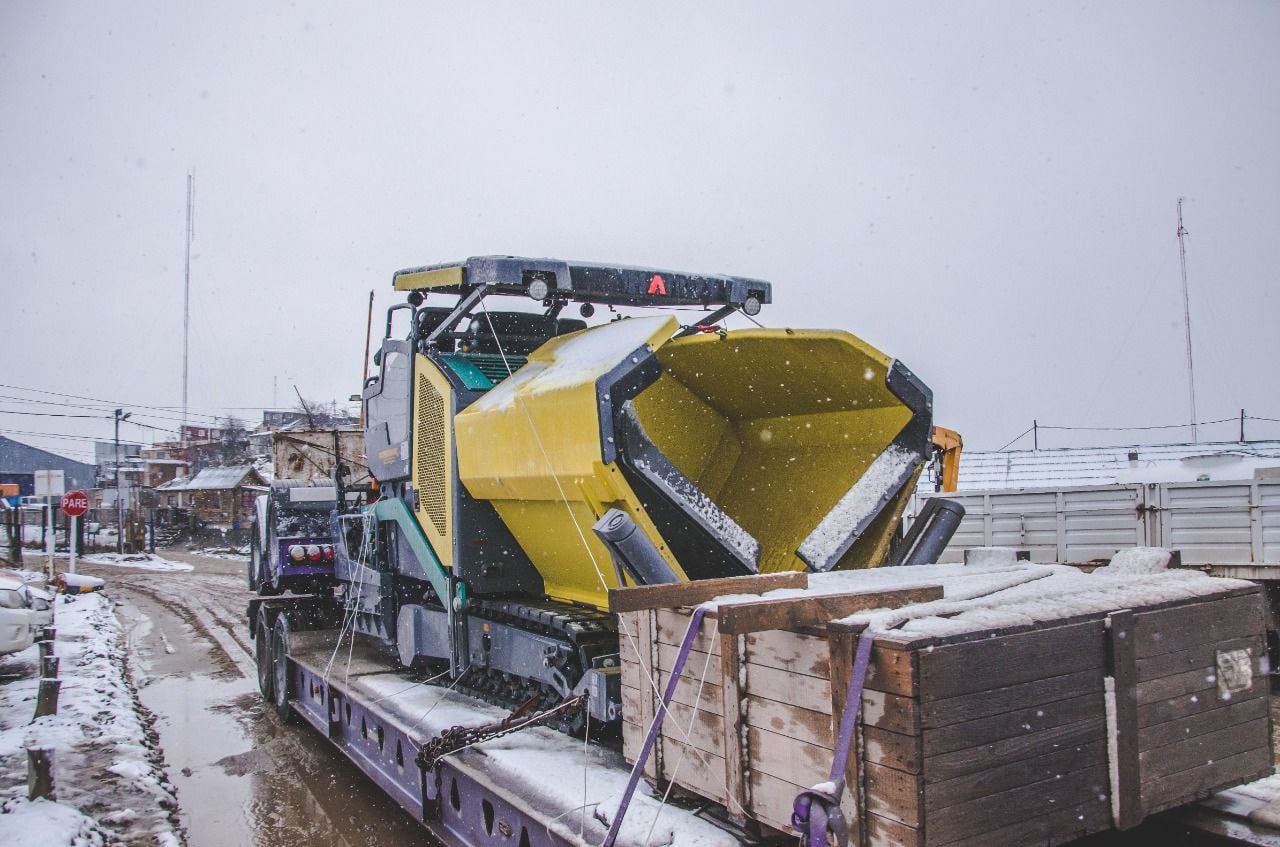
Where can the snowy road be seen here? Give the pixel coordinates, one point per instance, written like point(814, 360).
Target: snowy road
point(242, 777)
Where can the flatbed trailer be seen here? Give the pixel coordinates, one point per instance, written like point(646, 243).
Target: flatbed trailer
point(526, 789)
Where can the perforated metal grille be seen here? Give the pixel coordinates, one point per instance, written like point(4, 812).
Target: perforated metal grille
point(430, 459)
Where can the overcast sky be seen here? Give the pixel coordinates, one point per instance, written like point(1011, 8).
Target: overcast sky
point(985, 191)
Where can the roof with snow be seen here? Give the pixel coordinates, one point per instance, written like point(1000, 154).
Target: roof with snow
point(216, 479)
point(1224, 460)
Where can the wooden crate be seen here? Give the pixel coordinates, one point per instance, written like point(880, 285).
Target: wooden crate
point(992, 737)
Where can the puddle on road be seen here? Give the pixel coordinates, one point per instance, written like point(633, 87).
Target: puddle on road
point(243, 778)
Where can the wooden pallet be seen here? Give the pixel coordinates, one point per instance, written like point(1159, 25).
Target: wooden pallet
point(994, 737)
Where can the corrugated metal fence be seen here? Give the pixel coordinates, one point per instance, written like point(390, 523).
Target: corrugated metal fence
point(1210, 522)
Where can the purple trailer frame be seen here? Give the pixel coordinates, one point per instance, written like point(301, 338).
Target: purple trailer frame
point(451, 802)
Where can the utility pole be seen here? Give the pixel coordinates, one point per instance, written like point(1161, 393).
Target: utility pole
point(120, 415)
point(186, 294)
point(1035, 435)
point(1186, 319)
point(1242, 426)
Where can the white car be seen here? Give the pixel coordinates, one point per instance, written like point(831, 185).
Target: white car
point(23, 611)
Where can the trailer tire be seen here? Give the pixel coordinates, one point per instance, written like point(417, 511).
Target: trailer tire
point(255, 559)
point(262, 654)
point(280, 687)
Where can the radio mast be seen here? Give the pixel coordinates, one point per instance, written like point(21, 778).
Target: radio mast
point(186, 296)
point(1186, 319)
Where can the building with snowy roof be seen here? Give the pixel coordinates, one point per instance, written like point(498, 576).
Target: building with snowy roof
point(1149, 463)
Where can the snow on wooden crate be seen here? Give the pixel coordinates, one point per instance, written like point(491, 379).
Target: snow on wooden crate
point(1029, 702)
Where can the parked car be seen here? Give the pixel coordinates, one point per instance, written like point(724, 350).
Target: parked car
point(24, 610)
point(16, 619)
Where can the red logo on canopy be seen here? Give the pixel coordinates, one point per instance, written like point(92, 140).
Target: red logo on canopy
point(656, 285)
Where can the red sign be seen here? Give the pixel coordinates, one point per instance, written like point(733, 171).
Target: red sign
point(657, 285)
point(74, 503)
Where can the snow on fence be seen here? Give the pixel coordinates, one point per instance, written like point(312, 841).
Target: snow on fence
point(1209, 522)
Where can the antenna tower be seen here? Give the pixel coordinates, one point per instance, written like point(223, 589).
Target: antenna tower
point(1186, 319)
point(186, 295)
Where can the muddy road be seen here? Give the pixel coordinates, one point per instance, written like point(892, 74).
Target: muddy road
point(243, 778)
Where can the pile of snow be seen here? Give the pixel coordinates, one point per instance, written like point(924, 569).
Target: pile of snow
point(1137, 560)
point(140, 561)
point(984, 556)
point(43, 822)
point(102, 755)
point(977, 598)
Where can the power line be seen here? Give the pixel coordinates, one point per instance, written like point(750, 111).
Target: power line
point(1025, 432)
point(94, 399)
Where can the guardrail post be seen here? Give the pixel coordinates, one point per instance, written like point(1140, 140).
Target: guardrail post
point(47, 697)
point(39, 773)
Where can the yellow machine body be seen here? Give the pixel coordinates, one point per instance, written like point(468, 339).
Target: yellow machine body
point(779, 441)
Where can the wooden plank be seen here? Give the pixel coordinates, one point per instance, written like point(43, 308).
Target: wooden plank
point(670, 626)
point(1208, 747)
point(676, 594)
point(807, 692)
point(1004, 775)
point(1191, 704)
point(1058, 827)
point(632, 741)
point(1177, 731)
point(702, 773)
point(985, 730)
point(1017, 805)
point(1179, 684)
point(788, 759)
point(737, 759)
point(893, 670)
point(773, 798)
point(935, 714)
point(1125, 770)
point(809, 610)
point(894, 794)
point(1186, 786)
point(702, 729)
point(892, 749)
point(956, 669)
point(698, 664)
point(789, 651)
point(892, 712)
point(883, 832)
point(688, 688)
point(961, 762)
point(791, 721)
point(1200, 656)
point(1185, 626)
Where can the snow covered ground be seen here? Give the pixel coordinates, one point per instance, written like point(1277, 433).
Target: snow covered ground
point(109, 781)
point(139, 561)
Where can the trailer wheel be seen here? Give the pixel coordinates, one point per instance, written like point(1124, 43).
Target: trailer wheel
point(280, 670)
point(255, 559)
point(262, 654)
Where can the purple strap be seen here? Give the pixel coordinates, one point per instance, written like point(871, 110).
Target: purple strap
point(695, 624)
point(817, 812)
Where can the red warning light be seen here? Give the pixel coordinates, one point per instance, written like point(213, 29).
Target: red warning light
point(657, 285)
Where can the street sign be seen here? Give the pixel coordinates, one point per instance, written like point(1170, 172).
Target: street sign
point(74, 503)
point(50, 483)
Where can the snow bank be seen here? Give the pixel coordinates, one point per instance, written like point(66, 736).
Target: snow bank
point(140, 561)
point(102, 755)
point(1137, 560)
point(47, 824)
